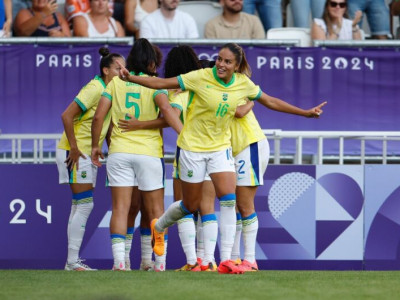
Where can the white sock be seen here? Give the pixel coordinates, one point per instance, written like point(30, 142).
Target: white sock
point(187, 235)
point(71, 215)
point(200, 238)
point(174, 212)
point(78, 224)
point(145, 245)
point(128, 243)
point(210, 233)
point(250, 229)
point(160, 262)
point(227, 225)
point(236, 245)
point(118, 250)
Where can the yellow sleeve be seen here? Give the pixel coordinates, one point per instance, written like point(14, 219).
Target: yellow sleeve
point(88, 96)
point(108, 92)
point(190, 81)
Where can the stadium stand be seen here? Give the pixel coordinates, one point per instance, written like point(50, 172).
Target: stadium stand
point(291, 33)
point(201, 11)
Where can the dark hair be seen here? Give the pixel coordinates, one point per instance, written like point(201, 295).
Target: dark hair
point(327, 18)
point(143, 58)
point(181, 60)
point(240, 57)
point(159, 56)
point(205, 63)
point(107, 59)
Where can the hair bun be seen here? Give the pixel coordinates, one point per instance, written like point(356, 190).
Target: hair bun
point(104, 51)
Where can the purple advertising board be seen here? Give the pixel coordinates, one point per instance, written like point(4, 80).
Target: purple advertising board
point(310, 217)
point(362, 87)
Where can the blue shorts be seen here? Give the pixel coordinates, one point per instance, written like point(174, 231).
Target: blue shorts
point(377, 14)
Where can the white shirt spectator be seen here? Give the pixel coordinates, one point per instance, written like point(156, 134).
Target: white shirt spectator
point(92, 31)
point(181, 26)
point(346, 32)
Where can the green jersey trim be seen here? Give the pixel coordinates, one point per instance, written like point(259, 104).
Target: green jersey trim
point(257, 97)
point(177, 106)
point(191, 95)
point(165, 92)
point(181, 84)
point(80, 104)
point(214, 70)
point(97, 77)
point(107, 95)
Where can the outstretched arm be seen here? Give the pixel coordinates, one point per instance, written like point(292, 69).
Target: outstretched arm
point(150, 82)
point(68, 121)
point(97, 124)
point(282, 106)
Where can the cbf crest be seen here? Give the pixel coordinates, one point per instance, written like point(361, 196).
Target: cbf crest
point(224, 96)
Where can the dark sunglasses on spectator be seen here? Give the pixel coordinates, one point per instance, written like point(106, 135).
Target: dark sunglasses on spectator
point(335, 4)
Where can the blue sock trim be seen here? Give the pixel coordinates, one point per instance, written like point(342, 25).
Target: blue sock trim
point(227, 197)
point(145, 231)
point(209, 217)
point(130, 230)
point(184, 209)
point(82, 195)
point(253, 215)
point(238, 216)
point(117, 236)
point(166, 237)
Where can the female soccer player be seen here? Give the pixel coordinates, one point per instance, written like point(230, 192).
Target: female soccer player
point(134, 156)
point(251, 152)
point(181, 60)
point(204, 143)
point(74, 150)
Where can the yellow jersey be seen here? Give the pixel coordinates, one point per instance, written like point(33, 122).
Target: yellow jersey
point(245, 131)
point(138, 101)
point(212, 108)
point(180, 100)
point(88, 98)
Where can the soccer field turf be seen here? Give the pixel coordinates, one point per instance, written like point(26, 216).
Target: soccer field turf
point(34, 284)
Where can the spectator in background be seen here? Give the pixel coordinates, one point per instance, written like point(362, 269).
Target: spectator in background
point(135, 12)
point(17, 5)
point(335, 24)
point(5, 18)
point(97, 22)
point(377, 13)
point(269, 11)
point(169, 22)
point(75, 8)
point(234, 24)
point(42, 19)
point(395, 11)
point(301, 11)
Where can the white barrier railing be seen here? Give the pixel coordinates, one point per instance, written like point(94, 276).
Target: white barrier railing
point(37, 155)
point(320, 136)
point(130, 40)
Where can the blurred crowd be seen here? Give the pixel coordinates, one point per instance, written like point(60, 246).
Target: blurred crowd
point(239, 19)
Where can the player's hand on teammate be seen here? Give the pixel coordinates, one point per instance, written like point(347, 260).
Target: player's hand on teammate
point(316, 111)
point(96, 155)
point(129, 125)
point(73, 158)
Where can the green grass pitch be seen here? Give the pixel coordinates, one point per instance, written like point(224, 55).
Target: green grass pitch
point(104, 285)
